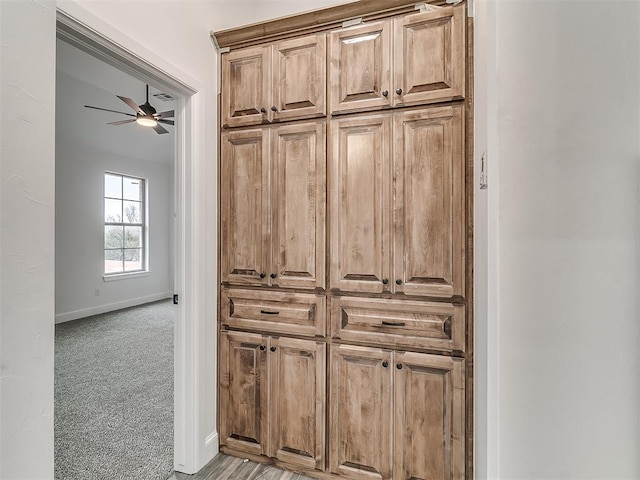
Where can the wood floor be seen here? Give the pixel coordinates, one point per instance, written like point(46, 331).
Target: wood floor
point(226, 467)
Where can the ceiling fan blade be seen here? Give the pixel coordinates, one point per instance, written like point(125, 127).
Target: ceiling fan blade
point(167, 114)
point(132, 104)
point(160, 130)
point(107, 110)
point(122, 122)
point(167, 122)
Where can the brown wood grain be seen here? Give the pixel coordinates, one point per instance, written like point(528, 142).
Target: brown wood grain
point(318, 20)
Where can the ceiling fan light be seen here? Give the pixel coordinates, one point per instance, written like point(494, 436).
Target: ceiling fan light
point(146, 121)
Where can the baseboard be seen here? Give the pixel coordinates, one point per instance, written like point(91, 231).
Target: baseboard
point(110, 307)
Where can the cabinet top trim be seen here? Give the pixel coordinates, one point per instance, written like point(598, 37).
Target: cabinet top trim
point(313, 21)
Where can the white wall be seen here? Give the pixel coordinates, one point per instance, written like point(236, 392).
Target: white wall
point(80, 172)
point(567, 367)
point(27, 99)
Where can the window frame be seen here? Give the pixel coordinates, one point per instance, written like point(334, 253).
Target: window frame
point(143, 225)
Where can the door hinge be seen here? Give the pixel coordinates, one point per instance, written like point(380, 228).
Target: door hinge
point(175, 299)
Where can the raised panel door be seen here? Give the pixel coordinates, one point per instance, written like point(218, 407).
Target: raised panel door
point(360, 67)
point(244, 207)
point(360, 413)
point(429, 417)
point(244, 392)
point(299, 196)
point(299, 78)
point(429, 57)
point(359, 218)
point(298, 387)
point(429, 216)
point(245, 86)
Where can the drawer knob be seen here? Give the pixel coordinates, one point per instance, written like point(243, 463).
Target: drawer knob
point(385, 364)
point(262, 347)
point(399, 366)
point(273, 349)
point(399, 91)
point(262, 275)
point(273, 275)
point(398, 282)
point(274, 109)
point(263, 110)
point(385, 93)
point(385, 281)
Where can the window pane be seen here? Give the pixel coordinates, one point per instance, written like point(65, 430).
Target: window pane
point(132, 188)
point(113, 236)
point(112, 186)
point(132, 259)
point(113, 261)
point(133, 237)
point(112, 210)
point(132, 212)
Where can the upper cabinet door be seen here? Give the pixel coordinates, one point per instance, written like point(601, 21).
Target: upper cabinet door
point(245, 207)
point(429, 53)
point(245, 86)
point(429, 215)
point(299, 193)
point(299, 78)
point(360, 67)
point(359, 217)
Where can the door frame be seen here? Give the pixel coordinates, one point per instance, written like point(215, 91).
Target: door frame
point(192, 447)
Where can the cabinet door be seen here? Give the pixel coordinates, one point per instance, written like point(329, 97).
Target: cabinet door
point(244, 207)
point(359, 217)
point(429, 53)
point(299, 78)
point(360, 67)
point(429, 201)
point(245, 86)
point(299, 193)
point(429, 417)
point(360, 413)
point(243, 392)
point(298, 390)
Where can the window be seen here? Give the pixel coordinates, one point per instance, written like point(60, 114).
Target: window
point(124, 224)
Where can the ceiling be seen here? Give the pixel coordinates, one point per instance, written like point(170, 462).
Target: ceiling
point(84, 80)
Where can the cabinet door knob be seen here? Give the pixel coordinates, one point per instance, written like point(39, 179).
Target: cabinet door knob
point(262, 275)
point(263, 110)
point(274, 109)
point(399, 366)
point(385, 281)
point(273, 349)
point(385, 364)
point(262, 347)
point(385, 93)
point(398, 282)
point(399, 91)
point(273, 275)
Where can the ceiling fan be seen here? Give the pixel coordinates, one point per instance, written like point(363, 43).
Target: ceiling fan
point(145, 115)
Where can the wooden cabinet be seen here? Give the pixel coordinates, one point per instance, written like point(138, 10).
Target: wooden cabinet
point(283, 81)
point(397, 220)
point(410, 60)
point(426, 424)
point(273, 206)
point(272, 397)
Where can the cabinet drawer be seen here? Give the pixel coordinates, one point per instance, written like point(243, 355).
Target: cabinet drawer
point(274, 312)
point(399, 323)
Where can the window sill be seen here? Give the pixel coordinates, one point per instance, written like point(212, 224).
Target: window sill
point(124, 276)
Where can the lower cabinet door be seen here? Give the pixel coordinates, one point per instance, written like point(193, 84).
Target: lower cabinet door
point(429, 417)
point(298, 387)
point(360, 412)
point(244, 392)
